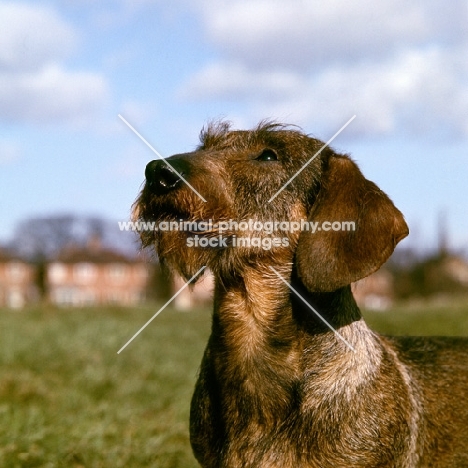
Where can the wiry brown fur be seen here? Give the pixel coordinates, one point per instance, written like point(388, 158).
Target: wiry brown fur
point(277, 388)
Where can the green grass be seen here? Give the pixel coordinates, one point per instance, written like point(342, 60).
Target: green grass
point(68, 400)
point(422, 319)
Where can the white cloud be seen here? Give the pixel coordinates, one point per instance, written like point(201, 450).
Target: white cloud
point(306, 34)
point(399, 66)
point(222, 80)
point(50, 94)
point(32, 35)
point(35, 86)
point(419, 91)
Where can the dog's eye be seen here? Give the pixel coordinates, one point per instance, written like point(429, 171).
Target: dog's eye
point(267, 155)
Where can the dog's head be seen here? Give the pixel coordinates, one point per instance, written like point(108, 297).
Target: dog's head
point(272, 194)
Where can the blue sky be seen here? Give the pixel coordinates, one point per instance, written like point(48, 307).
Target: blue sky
point(68, 68)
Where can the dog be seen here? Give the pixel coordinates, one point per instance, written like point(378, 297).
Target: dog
point(292, 376)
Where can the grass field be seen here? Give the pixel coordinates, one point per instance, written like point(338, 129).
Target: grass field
point(68, 400)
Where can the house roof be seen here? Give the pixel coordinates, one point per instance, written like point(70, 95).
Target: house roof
point(7, 256)
point(93, 254)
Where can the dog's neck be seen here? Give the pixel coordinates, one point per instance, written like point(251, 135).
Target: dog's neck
point(265, 340)
point(273, 300)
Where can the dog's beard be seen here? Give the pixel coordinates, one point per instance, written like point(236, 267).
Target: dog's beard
point(173, 252)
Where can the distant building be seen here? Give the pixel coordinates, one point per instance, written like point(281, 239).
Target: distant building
point(376, 292)
point(17, 281)
point(457, 269)
point(94, 275)
point(442, 274)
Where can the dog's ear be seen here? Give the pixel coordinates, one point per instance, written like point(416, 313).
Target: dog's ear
point(328, 259)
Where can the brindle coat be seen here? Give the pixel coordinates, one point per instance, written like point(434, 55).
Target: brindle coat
point(277, 388)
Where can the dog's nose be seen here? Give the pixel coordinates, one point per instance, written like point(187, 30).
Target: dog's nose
point(161, 177)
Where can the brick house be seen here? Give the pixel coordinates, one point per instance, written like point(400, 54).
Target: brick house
point(376, 291)
point(96, 276)
point(17, 281)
